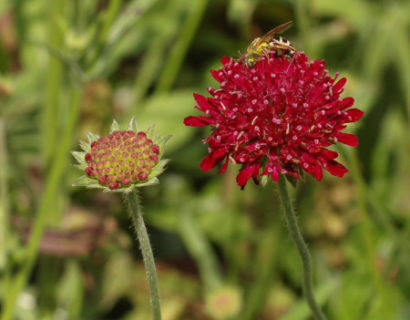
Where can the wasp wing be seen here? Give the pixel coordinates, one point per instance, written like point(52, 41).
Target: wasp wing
point(269, 35)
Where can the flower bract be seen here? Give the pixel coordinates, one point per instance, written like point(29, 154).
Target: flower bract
point(277, 117)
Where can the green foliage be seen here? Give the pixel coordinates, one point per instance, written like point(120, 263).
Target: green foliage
point(70, 67)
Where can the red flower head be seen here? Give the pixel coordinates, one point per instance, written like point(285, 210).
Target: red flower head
point(277, 117)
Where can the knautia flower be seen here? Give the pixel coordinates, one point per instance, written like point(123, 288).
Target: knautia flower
point(121, 161)
point(277, 117)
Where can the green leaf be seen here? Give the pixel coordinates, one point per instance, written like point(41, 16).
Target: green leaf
point(97, 186)
point(116, 279)
point(159, 168)
point(167, 111)
point(80, 166)
point(150, 130)
point(114, 126)
point(85, 146)
point(163, 143)
point(133, 125)
point(301, 311)
point(351, 10)
point(264, 180)
point(79, 156)
point(92, 137)
point(151, 182)
point(70, 292)
point(240, 12)
point(293, 181)
point(83, 181)
point(175, 57)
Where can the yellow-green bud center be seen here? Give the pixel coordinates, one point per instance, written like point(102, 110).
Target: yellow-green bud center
point(121, 159)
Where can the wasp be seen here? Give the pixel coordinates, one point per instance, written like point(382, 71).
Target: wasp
point(269, 41)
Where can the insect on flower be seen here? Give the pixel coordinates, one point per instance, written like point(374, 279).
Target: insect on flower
point(261, 46)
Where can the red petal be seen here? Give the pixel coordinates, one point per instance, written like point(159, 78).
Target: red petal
point(318, 172)
point(202, 102)
point(347, 138)
point(256, 170)
point(354, 114)
point(215, 74)
point(226, 60)
point(218, 154)
point(212, 159)
point(275, 174)
point(329, 154)
point(198, 121)
point(207, 163)
point(336, 169)
point(338, 85)
point(346, 103)
point(224, 166)
point(244, 175)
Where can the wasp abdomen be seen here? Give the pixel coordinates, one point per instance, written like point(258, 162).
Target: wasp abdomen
point(281, 40)
point(282, 45)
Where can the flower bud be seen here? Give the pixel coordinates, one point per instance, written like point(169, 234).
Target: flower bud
point(122, 160)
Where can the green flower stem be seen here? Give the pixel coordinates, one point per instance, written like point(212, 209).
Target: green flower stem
point(297, 237)
point(4, 205)
point(47, 269)
point(177, 54)
point(103, 29)
point(114, 7)
point(54, 82)
point(45, 208)
point(143, 239)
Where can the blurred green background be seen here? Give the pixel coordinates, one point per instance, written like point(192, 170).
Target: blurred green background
point(71, 66)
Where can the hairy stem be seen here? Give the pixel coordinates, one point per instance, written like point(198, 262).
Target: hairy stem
point(143, 239)
point(300, 243)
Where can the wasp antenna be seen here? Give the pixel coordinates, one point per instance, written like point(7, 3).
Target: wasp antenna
point(291, 61)
point(241, 57)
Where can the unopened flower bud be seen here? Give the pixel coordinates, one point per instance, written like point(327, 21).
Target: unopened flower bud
point(122, 160)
